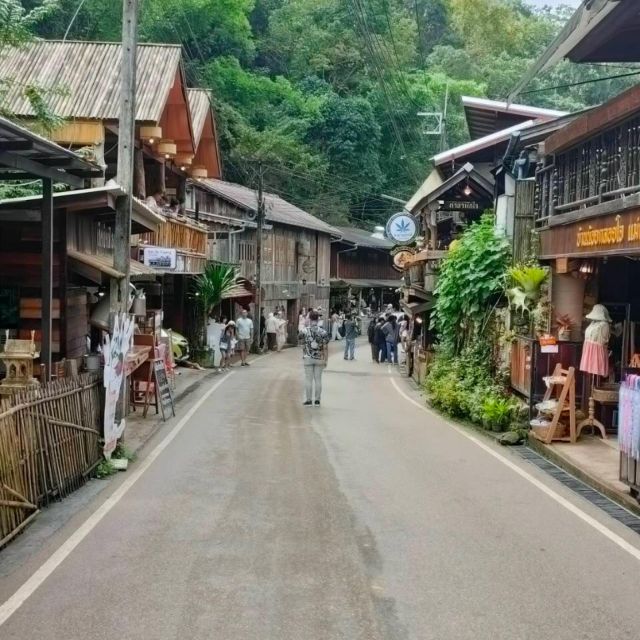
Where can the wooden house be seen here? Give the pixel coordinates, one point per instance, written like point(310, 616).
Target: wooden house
point(362, 270)
point(34, 295)
point(296, 245)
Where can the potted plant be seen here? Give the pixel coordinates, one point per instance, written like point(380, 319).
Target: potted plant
point(565, 326)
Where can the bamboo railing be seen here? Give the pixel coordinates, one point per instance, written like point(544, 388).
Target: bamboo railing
point(48, 446)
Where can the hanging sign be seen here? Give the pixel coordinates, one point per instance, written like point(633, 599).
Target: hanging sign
point(401, 255)
point(402, 228)
point(115, 348)
point(160, 257)
point(458, 205)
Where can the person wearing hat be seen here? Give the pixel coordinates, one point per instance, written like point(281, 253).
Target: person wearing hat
point(227, 344)
point(595, 351)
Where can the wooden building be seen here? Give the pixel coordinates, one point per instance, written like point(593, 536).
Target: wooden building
point(296, 245)
point(362, 270)
point(34, 295)
point(175, 139)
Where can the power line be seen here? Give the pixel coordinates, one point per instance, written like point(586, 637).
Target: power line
point(580, 83)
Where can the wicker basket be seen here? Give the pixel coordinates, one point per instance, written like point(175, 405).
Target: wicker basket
point(606, 393)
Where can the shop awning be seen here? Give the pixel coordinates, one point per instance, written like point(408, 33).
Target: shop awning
point(343, 283)
point(414, 308)
point(94, 266)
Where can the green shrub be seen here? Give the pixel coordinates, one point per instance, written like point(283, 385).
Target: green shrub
point(497, 411)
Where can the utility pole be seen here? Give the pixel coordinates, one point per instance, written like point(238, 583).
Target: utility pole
point(126, 149)
point(260, 222)
point(119, 290)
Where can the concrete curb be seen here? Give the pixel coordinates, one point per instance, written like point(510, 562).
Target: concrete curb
point(623, 499)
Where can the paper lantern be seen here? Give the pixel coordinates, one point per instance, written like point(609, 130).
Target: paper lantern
point(183, 161)
point(199, 172)
point(151, 135)
point(167, 148)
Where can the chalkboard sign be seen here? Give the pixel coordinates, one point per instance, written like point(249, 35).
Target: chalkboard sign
point(163, 390)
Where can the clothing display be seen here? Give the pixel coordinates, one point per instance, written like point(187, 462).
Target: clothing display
point(629, 417)
point(595, 351)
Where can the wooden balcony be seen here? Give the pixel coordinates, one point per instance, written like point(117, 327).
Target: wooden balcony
point(179, 233)
point(598, 176)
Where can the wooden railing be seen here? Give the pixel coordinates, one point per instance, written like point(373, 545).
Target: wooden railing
point(48, 446)
point(179, 233)
point(604, 168)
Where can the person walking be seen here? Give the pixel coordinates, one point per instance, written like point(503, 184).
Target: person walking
point(315, 352)
point(281, 332)
point(350, 335)
point(335, 326)
point(390, 331)
point(227, 340)
point(371, 335)
point(272, 331)
point(380, 341)
point(244, 332)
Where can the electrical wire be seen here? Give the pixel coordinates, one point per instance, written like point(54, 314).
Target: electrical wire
point(580, 83)
point(73, 19)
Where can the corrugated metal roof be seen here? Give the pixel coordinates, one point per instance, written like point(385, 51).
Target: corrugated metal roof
point(199, 105)
point(84, 78)
point(277, 209)
point(363, 238)
point(485, 117)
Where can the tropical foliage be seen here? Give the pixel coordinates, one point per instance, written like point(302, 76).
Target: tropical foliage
point(471, 280)
point(329, 92)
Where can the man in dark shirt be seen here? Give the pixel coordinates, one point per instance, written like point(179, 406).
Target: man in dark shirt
point(380, 341)
point(350, 335)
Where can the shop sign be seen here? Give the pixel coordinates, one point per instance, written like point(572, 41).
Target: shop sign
point(115, 349)
point(401, 255)
point(160, 257)
point(607, 235)
point(457, 205)
point(548, 344)
point(402, 228)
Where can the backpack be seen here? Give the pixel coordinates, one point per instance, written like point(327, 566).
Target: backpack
point(342, 330)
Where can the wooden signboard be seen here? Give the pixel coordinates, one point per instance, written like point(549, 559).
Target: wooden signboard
point(163, 390)
point(605, 236)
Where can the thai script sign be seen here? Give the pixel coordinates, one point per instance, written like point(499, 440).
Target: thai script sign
point(606, 235)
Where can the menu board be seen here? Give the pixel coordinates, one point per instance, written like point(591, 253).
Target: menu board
point(165, 398)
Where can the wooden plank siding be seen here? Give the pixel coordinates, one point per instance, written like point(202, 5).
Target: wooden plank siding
point(362, 264)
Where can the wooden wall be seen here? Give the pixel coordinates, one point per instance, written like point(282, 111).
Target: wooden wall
point(361, 264)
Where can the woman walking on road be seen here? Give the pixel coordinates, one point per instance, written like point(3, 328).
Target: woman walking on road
point(272, 331)
point(315, 351)
point(371, 336)
point(281, 332)
point(227, 340)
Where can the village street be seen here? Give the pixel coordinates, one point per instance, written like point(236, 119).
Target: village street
point(370, 518)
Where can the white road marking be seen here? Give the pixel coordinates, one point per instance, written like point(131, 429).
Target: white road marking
point(569, 506)
point(10, 606)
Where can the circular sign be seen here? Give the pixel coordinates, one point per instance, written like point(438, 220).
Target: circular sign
point(402, 228)
point(400, 259)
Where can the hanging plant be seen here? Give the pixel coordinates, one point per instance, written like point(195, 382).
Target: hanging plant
point(528, 280)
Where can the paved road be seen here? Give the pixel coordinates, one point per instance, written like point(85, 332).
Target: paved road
point(367, 518)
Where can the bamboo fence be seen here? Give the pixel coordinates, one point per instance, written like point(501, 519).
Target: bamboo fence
point(48, 446)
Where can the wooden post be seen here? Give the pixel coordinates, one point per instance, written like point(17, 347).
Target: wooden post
point(126, 148)
point(140, 187)
point(47, 275)
point(99, 153)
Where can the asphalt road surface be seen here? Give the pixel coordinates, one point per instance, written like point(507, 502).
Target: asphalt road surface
point(368, 518)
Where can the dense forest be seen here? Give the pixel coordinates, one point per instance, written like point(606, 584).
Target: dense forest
point(327, 93)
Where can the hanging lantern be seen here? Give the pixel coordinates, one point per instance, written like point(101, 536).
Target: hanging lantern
point(150, 135)
point(183, 160)
point(198, 171)
point(167, 148)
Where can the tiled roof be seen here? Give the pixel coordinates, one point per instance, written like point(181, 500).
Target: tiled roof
point(277, 209)
point(84, 78)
